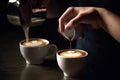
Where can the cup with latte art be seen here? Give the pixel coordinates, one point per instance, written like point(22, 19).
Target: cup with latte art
point(36, 50)
point(71, 61)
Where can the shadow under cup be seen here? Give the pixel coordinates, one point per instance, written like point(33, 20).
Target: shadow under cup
point(72, 64)
point(37, 50)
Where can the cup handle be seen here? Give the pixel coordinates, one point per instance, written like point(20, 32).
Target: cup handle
point(52, 52)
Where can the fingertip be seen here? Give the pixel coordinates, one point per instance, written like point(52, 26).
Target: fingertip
point(68, 26)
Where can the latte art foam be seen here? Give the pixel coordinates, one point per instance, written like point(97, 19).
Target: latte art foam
point(32, 43)
point(72, 53)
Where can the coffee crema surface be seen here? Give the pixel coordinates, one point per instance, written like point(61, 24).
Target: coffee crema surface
point(37, 42)
point(73, 53)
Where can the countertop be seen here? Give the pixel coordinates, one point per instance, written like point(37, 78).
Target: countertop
point(12, 64)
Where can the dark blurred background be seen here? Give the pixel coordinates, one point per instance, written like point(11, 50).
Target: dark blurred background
point(11, 61)
point(48, 30)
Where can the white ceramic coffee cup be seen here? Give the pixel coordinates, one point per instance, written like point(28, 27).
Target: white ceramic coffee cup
point(71, 66)
point(37, 54)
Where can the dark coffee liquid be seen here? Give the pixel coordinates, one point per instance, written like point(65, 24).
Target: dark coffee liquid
point(70, 41)
point(70, 34)
point(70, 44)
point(25, 12)
point(29, 9)
point(26, 32)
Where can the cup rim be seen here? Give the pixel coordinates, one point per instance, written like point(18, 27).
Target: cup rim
point(86, 53)
point(20, 43)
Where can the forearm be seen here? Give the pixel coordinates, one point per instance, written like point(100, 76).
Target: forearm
point(111, 21)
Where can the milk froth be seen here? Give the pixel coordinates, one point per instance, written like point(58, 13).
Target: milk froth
point(72, 53)
point(38, 42)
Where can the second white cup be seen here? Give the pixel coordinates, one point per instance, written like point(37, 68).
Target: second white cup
point(71, 61)
point(36, 50)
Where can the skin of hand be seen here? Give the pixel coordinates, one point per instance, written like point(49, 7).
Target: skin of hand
point(94, 16)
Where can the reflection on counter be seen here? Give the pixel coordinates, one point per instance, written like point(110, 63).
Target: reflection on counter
point(66, 78)
point(35, 72)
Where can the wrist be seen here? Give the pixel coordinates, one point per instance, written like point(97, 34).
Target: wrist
point(102, 11)
point(102, 14)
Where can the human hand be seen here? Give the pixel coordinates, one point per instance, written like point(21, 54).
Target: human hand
point(74, 16)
